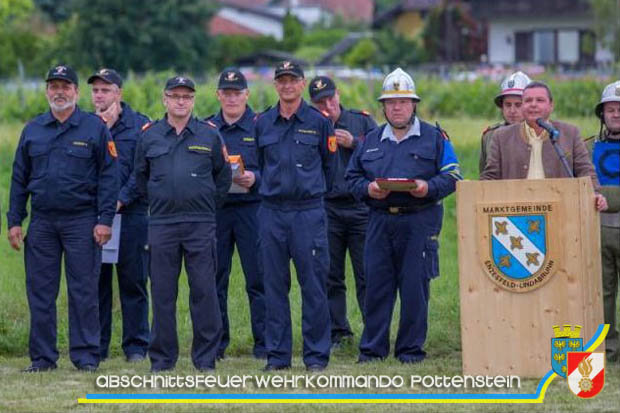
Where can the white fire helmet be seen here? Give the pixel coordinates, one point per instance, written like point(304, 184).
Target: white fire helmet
point(398, 84)
point(611, 93)
point(512, 85)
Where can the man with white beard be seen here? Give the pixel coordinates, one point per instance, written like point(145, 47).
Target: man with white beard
point(65, 162)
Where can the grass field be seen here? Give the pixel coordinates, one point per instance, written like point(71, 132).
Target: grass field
point(59, 390)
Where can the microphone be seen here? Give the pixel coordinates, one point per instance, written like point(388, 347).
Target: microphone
point(553, 132)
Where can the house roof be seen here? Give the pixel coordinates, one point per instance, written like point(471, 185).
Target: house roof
point(358, 10)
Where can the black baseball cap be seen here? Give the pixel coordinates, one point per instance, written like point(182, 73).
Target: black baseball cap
point(108, 76)
point(289, 67)
point(62, 72)
point(232, 78)
point(320, 87)
point(179, 81)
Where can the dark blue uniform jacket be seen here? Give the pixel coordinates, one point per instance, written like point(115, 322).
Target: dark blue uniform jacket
point(429, 156)
point(183, 177)
point(126, 132)
point(66, 168)
point(295, 162)
point(240, 139)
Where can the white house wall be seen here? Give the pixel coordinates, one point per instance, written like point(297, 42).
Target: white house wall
point(501, 37)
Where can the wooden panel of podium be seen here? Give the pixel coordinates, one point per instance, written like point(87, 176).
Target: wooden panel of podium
point(529, 259)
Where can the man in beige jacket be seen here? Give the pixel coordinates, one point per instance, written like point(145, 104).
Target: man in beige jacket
point(524, 150)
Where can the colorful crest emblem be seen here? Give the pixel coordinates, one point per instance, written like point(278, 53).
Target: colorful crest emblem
point(511, 83)
point(586, 373)
point(231, 76)
point(516, 252)
point(566, 339)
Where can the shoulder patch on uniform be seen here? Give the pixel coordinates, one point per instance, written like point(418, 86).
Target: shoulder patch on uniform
point(492, 127)
point(442, 131)
point(361, 112)
point(112, 149)
point(146, 126)
point(332, 144)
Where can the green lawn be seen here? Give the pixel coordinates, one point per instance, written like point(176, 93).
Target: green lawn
point(59, 390)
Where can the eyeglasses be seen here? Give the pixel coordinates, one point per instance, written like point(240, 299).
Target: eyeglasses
point(186, 98)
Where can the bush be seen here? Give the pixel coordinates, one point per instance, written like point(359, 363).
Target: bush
point(440, 98)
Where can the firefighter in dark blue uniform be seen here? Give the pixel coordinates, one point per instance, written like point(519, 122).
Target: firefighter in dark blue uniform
point(181, 168)
point(346, 217)
point(65, 162)
point(236, 220)
point(296, 150)
point(125, 126)
point(401, 252)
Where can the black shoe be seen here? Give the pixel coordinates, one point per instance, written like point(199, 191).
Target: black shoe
point(273, 367)
point(314, 368)
point(220, 357)
point(135, 358)
point(38, 369)
point(88, 368)
point(205, 369)
point(161, 369)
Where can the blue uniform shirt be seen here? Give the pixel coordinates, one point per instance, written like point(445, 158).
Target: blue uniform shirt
point(240, 139)
point(427, 155)
point(183, 176)
point(358, 124)
point(295, 161)
point(66, 168)
point(126, 132)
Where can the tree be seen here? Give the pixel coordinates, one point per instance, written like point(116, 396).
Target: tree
point(362, 54)
point(136, 35)
point(607, 24)
point(293, 32)
point(17, 43)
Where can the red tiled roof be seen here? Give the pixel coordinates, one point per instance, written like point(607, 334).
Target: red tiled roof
point(221, 25)
point(358, 10)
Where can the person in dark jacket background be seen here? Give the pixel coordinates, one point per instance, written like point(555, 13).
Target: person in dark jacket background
point(125, 126)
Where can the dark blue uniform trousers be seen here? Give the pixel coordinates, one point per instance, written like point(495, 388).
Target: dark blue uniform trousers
point(400, 256)
point(238, 224)
point(302, 236)
point(346, 223)
point(132, 275)
point(47, 240)
point(169, 245)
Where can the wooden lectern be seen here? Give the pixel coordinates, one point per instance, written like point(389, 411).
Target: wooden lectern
point(529, 259)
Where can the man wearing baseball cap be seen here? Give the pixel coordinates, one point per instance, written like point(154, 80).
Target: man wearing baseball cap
point(125, 126)
point(296, 152)
point(237, 222)
point(65, 164)
point(181, 168)
point(346, 217)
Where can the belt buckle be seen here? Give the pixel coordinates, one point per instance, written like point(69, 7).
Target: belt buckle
point(394, 210)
